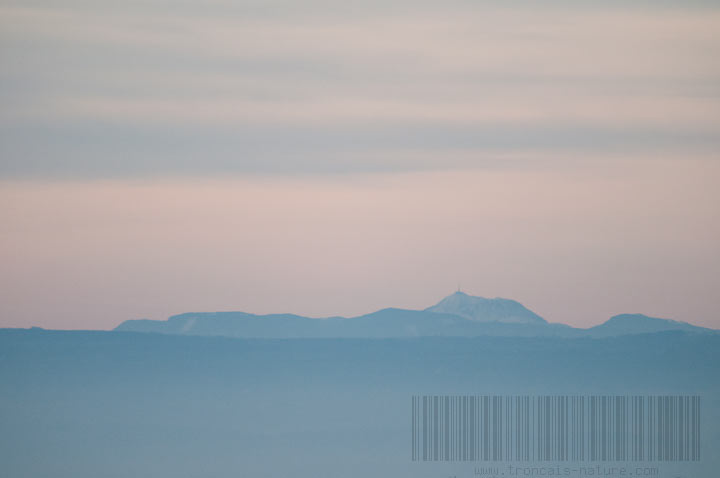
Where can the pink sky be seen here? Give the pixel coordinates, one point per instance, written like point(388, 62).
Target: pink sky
point(575, 244)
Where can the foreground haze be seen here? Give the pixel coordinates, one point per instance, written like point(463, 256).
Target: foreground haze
point(79, 404)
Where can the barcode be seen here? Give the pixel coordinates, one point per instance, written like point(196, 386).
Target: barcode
point(555, 428)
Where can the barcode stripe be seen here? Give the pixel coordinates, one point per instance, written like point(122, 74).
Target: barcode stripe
point(555, 428)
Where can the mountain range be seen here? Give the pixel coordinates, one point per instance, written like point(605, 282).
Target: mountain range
point(457, 315)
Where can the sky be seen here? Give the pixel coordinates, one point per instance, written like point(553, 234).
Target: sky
point(334, 158)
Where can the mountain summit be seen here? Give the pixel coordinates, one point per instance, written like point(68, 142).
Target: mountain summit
point(486, 310)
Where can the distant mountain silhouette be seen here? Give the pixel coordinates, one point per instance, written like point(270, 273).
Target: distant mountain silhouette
point(627, 324)
point(458, 315)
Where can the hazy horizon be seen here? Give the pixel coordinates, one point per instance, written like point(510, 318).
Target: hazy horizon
point(344, 159)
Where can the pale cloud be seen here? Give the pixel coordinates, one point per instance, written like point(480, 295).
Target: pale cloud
point(232, 83)
point(618, 111)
